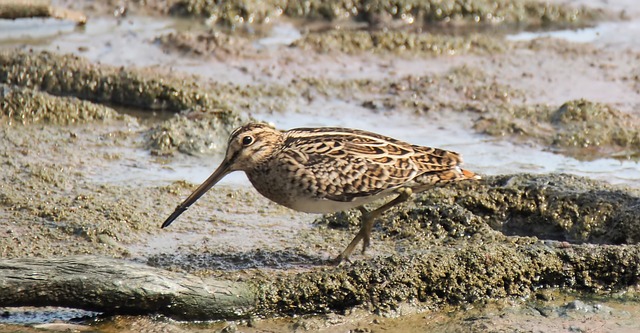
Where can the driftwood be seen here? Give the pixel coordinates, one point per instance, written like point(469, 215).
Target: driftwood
point(447, 275)
point(118, 286)
point(13, 9)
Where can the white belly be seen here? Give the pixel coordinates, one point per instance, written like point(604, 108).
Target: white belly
point(324, 206)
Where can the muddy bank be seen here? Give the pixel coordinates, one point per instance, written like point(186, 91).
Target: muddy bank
point(27, 106)
point(408, 29)
point(505, 236)
point(450, 256)
point(49, 206)
point(86, 218)
point(209, 118)
point(578, 128)
point(451, 245)
point(426, 28)
point(556, 207)
point(13, 9)
point(451, 276)
point(456, 274)
point(225, 46)
point(241, 15)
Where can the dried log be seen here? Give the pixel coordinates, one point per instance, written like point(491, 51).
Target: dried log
point(443, 275)
point(119, 286)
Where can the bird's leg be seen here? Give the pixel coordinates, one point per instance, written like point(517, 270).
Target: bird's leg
point(366, 226)
point(368, 220)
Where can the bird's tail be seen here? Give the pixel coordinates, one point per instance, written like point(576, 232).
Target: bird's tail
point(466, 174)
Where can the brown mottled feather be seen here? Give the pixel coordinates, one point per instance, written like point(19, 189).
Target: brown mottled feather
point(355, 163)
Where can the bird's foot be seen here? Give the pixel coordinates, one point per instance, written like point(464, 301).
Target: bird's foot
point(337, 261)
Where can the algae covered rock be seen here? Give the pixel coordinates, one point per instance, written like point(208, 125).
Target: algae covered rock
point(399, 42)
point(233, 13)
point(455, 258)
point(190, 136)
point(557, 206)
point(27, 106)
point(583, 124)
point(70, 75)
point(579, 128)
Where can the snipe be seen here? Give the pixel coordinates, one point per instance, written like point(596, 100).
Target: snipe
point(325, 170)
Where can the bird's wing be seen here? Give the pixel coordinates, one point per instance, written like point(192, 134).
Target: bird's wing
point(347, 164)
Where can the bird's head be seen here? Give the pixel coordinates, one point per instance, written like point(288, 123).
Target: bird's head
point(248, 147)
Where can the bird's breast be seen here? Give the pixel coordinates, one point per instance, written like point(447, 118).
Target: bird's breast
point(299, 193)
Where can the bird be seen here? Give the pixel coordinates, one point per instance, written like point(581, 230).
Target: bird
point(331, 169)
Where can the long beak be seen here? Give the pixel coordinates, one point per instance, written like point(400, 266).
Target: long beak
point(215, 177)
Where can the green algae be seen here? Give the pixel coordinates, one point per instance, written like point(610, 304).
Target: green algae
point(556, 207)
point(69, 75)
point(579, 127)
point(352, 42)
point(26, 106)
point(455, 275)
point(233, 13)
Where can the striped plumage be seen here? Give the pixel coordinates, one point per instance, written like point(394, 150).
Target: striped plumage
point(323, 170)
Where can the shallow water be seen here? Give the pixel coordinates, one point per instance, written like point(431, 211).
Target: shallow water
point(482, 154)
point(33, 30)
point(130, 42)
point(42, 315)
point(623, 35)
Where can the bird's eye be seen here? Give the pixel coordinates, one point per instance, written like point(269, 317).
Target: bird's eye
point(247, 140)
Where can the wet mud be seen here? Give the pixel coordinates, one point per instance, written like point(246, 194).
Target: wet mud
point(91, 154)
